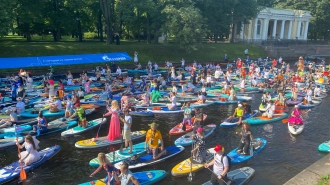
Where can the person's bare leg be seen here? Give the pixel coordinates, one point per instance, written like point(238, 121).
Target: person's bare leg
point(130, 146)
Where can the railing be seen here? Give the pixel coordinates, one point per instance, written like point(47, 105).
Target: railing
point(287, 43)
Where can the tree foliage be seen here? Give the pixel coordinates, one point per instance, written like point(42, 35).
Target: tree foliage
point(6, 11)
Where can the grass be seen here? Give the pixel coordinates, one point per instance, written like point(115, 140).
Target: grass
point(16, 46)
point(325, 180)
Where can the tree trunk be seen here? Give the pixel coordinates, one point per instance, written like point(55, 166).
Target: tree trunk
point(216, 34)
point(139, 27)
point(148, 29)
point(106, 9)
point(72, 34)
point(27, 32)
point(56, 32)
point(101, 26)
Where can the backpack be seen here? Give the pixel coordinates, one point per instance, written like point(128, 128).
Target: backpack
point(229, 161)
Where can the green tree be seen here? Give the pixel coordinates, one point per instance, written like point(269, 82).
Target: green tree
point(6, 13)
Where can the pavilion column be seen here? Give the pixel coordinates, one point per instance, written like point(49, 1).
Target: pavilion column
point(255, 29)
point(241, 36)
point(282, 29)
point(274, 29)
point(250, 30)
point(290, 29)
point(264, 29)
point(306, 30)
point(298, 29)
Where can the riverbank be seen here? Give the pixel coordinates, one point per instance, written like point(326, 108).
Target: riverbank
point(312, 174)
point(14, 46)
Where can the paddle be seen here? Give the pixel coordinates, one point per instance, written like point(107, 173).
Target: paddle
point(122, 142)
point(184, 124)
point(22, 173)
point(190, 176)
point(97, 134)
point(217, 176)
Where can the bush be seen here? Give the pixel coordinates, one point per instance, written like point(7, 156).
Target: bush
point(325, 180)
point(90, 35)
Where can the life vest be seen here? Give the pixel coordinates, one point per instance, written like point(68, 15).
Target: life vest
point(239, 112)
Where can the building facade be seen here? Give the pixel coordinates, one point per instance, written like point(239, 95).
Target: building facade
point(274, 23)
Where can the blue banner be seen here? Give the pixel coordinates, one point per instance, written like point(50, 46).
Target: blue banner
point(6, 63)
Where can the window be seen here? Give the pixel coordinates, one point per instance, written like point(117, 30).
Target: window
point(301, 29)
point(259, 27)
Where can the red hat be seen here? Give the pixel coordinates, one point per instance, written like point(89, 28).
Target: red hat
point(217, 148)
point(51, 82)
point(199, 130)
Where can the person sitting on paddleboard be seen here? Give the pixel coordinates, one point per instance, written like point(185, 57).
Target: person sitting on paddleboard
point(199, 152)
point(42, 123)
point(244, 144)
point(69, 106)
point(107, 166)
point(239, 111)
point(266, 97)
point(295, 118)
point(80, 111)
point(56, 106)
point(127, 121)
point(317, 91)
point(20, 105)
point(172, 99)
point(269, 110)
point(201, 98)
point(247, 109)
point(13, 118)
point(186, 114)
point(126, 177)
point(153, 137)
point(31, 154)
point(220, 167)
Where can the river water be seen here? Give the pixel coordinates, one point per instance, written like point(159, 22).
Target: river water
point(283, 157)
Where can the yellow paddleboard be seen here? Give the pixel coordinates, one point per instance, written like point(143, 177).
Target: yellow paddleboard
point(103, 141)
point(183, 168)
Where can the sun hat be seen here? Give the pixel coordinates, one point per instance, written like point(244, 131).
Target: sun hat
point(153, 125)
point(217, 148)
point(199, 130)
point(240, 105)
point(296, 106)
point(54, 97)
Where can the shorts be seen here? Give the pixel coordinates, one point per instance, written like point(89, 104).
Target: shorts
point(127, 135)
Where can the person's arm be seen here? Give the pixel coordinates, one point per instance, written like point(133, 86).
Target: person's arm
point(115, 176)
point(234, 113)
point(209, 164)
point(96, 171)
point(134, 180)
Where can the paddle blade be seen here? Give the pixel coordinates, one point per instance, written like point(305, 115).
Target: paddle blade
point(22, 174)
point(285, 121)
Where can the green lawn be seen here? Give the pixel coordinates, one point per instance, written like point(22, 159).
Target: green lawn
point(324, 180)
point(15, 46)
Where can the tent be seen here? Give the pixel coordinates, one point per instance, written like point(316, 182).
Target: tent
point(40, 61)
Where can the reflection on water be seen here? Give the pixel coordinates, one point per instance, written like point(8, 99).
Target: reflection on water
point(276, 164)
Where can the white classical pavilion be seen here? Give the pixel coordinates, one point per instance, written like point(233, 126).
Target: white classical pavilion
point(274, 23)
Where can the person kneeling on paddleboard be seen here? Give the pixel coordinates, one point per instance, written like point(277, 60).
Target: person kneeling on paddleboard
point(42, 124)
point(153, 137)
point(126, 177)
point(107, 166)
point(221, 165)
point(269, 110)
point(80, 111)
point(244, 144)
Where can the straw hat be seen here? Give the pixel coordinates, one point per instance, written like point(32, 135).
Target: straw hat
point(153, 125)
point(54, 97)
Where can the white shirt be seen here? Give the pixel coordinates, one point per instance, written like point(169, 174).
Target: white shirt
point(208, 79)
point(217, 74)
point(149, 63)
point(128, 120)
point(174, 89)
point(191, 86)
point(270, 108)
point(69, 105)
point(118, 71)
point(266, 74)
point(182, 62)
point(155, 66)
point(58, 104)
point(218, 165)
point(125, 178)
point(317, 91)
point(174, 100)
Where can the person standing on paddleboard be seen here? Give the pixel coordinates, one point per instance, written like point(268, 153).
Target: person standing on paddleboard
point(114, 129)
point(199, 152)
point(186, 114)
point(127, 120)
point(153, 137)
point(108, 167)
point(220, 167)
point(244, 144)
point(126, 177)
point(198, 118)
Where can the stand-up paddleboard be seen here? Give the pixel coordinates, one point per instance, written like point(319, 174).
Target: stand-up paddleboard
point(103, 141)
point(184, 168)
point(78, 129)
point(164, 110)
point(258, 144)
point(118, 156)
point(147, 159)
point(230, 124)
point(324, 147)
point(177, 129)
point(294, 102)
point(296, 129)
point(187, 139)
point(308, 105)
point(13, 170)
point(263, 120)
point(10, 141)
point(144, 178)
point(239, 176)
point(200, 105)
point(141, 113)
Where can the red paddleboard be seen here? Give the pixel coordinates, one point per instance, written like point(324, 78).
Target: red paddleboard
point(177, 129)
